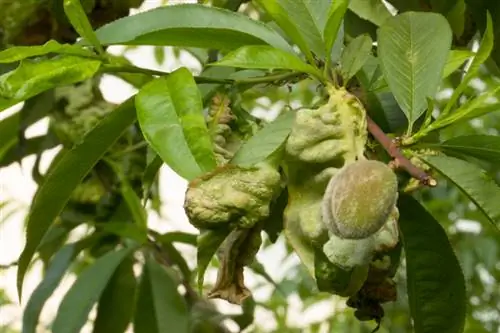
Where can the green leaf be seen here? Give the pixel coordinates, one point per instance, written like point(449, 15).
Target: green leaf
point(125, 230)
point(78, 19)
point(34, 77)
point(319, 12)
point(190, 25)
point(265, 142)
point(207, 243)
point(482, 54)
point(16, 53)
point(298, 23)
point(169, 306)
point(178, 237)
point(265, 57)
point(273, 225)
point(354, 56)
point(374, 11)
point(456, 58)
point(474, 182)
point(9, 128)
point(59, 183)
point(116, 305)
point(74, 309)
point(484, 147)
point(144, 316)
point(334, 23)
point(170, 114)
point(413, 48)
point(436, 284)
point(53, 276)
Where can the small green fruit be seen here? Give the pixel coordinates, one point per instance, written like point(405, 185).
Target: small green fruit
point(359, 199)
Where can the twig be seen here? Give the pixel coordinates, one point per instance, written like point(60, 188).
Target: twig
point(400, 161)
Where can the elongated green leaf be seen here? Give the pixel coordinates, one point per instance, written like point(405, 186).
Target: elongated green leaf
point(169, 306)
point(456, 58)
point(297, 22)
point(16, 53)
point(190, 25)
point(374, 11)
point(125, 230)
point(413, 48)
point(436, 284)
point(9, 128)
point(355, 56)
point(472, 181)
point(116, 305)
point(134, 204)
point(74, 309)
point(265, 57)
point(485, 147)
point(34, 77)
point(319, 12)
point(78, 19)
point(265, 141)
point(61, 180)
point(207, 243)
point(145, 317)
point(170, 114)
point(178, 237)
point(58, 266)
point(482, 54)
point(334, 24)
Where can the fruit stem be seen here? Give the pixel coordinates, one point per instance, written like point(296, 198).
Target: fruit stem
point(399, 160)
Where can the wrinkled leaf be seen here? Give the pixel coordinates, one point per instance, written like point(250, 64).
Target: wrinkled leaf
point(484, 147)
point(58, 266)
point(334, 24)
point(265, 57)
point(456, 58)
point(34, 77)
point(78, 19)
point(355, 55)
point(169, 306)
point(413, 48)
point(116, 305)
point(170, 114)
point(190, 25)
point(436, 284)
point(297, 22)
point(208, 243)
point(61, 180)
point(474, 182)
point(74, 309)
point(265, 142)
point(16, 53)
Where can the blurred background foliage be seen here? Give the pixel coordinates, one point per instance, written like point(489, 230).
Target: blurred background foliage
point(283, 304)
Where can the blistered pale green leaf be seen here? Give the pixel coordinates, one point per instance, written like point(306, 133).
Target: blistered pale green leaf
point(298, 22)
point(116, 305)
point(413, 48)
point(484, 147)
point(265, 57)
point(474, 182)
point(265, 141)
point(34, 77)
point(334, 22)
point(355, 55)
point(482, 54)
point(74, 309)
point(374, 11)
point(208, 243)
point(190, 25)
point(53, 276)
point(456, 58)
point(169, 306)
point(78, 19)
point(436, 284)
point(170, 114)
point(16, 53)
point(59, 183)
